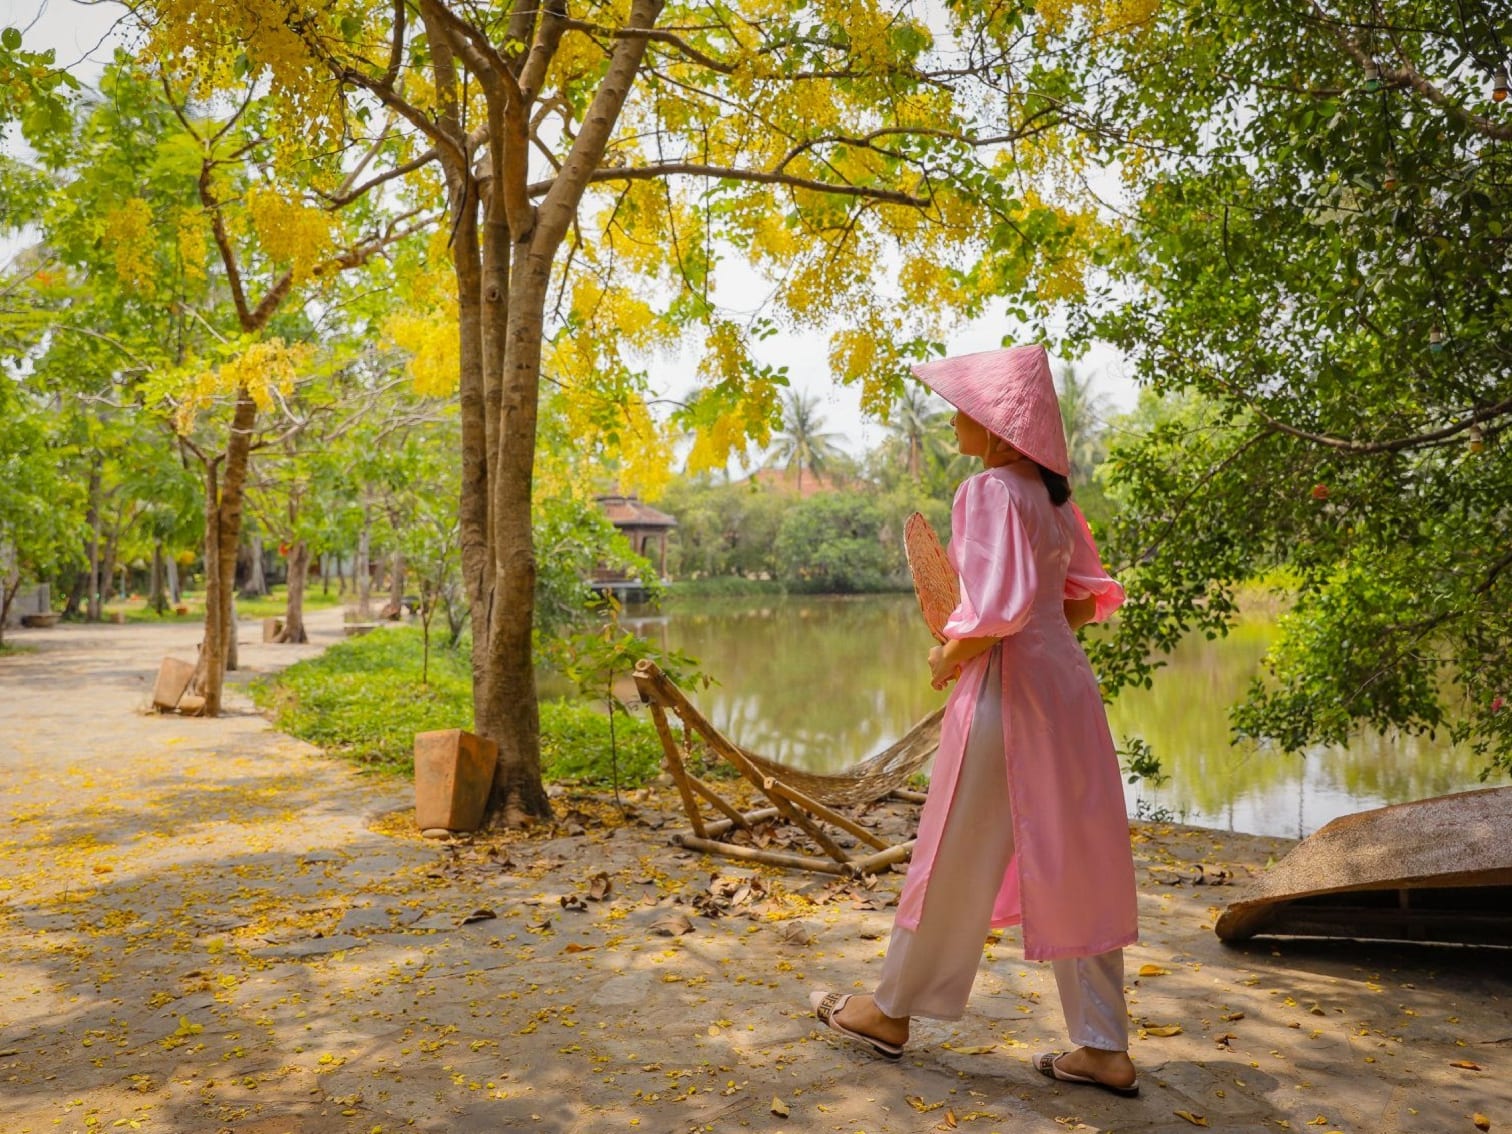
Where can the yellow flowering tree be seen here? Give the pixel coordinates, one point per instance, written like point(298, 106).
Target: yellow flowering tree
point(203, 246)
point(606, 164)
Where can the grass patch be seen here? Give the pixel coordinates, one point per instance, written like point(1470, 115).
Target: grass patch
point(273, 605)
point(362, 699)
point(8, 650)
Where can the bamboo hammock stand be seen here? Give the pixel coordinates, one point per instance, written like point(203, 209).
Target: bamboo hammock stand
point(805, 799)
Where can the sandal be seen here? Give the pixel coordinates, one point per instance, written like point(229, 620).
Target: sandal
point(1045, 1063)
point(828, 1005)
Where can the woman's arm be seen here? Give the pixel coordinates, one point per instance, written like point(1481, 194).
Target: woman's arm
point(945, 661)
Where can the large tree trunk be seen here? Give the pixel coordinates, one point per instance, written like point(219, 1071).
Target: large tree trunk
point(223, 516)
point(175, 591)
point(299, 565)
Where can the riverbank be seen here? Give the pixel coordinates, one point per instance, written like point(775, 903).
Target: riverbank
point(211, 926)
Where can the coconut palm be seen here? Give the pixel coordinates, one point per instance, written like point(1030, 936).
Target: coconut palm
point(914, 423)
point(1084, 413)
point(802, 441)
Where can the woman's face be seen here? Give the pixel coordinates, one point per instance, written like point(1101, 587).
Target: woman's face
point(972, 437)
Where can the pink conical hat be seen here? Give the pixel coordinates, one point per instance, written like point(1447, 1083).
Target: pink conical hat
point(1009, 391)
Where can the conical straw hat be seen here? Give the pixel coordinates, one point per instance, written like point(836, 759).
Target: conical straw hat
point(1012, 393)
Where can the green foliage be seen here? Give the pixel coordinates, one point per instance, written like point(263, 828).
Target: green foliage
point(362, 699)
point(833, 542)
point(576, 746)
point(1307, 286)
point(573, 538)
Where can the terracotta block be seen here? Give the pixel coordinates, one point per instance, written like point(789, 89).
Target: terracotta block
point(272, 628)
point(172, 680)
point(453, 773)
point(191, 705)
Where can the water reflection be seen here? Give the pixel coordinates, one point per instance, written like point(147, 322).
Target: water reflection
point(824, 682)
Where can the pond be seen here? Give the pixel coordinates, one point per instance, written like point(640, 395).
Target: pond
point(823, 682)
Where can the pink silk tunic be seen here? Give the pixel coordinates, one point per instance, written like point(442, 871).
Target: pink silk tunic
point(1071, 879)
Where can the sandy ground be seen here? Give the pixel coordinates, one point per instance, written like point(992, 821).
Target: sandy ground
point(209, 926)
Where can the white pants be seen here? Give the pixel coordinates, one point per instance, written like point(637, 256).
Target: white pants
point(929, 971)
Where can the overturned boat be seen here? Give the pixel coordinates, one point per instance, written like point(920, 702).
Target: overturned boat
point(1435, 870)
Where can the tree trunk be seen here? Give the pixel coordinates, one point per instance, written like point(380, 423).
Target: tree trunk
point(396, 582)
point(518, 790)
point(325, 574)
point(155, 596)
point(175, 592)
point(223, 516)
point(362, 572)
point(299, 563)
point(256, 584)
point(92, 518)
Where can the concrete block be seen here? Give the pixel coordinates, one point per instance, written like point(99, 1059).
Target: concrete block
point(172, 681)
point(453, 774)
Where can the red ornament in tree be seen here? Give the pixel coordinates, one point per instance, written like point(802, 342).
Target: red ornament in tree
point(1320, 492)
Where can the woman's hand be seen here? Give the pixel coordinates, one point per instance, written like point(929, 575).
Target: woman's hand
point(942, 670)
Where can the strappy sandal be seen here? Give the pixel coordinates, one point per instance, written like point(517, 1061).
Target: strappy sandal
point(1045, 1063)
point(828, 1005)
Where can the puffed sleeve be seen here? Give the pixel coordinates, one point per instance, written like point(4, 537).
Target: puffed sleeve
point(991, 552)
point(1086, 576)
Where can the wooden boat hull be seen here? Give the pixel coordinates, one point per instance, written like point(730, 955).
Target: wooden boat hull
point(1433, 870)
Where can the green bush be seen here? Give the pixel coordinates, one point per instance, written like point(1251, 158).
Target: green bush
point(362, 699)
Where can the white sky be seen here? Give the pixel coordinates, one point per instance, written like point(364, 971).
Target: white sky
point(81, 34)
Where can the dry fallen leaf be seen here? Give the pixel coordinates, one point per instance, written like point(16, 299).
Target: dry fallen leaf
point(1194, 1119)
point(950, 1120)
point(1162, 1030)
point(574, 947)
point(978, 1049)
point(779, 1108)
point(918, 1103)
point(599, 887)
point(1153, 970)
point(1466, 1064)
point(673, 925)
point(1481, 1121)
point(478, 915)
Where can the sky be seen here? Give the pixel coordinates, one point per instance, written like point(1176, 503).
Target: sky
point(83, 36)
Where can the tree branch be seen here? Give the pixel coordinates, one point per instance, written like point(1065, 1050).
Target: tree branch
point(695, 169)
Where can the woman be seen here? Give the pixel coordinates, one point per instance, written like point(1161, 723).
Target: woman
point(1025, 822)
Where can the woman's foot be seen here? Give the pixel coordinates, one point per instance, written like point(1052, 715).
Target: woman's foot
point(859, 1018)
point(861, 1014)
point(1091, 1066)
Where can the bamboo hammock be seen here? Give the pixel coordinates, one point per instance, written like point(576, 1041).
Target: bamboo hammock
point(808, 800)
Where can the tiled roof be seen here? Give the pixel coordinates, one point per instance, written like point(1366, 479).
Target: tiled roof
point(631, 512)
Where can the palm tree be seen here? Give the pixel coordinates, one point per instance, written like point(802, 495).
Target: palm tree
point(1084, 414)
point(914, 422)
point(802, 440)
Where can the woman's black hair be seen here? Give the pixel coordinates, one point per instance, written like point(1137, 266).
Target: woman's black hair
point(1058, 486)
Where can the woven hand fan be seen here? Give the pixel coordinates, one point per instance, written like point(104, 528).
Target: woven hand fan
point(934, 579)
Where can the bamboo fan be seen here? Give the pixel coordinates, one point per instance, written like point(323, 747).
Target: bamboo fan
point(934, 579)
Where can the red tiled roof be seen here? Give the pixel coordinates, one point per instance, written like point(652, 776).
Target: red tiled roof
point(631, 512)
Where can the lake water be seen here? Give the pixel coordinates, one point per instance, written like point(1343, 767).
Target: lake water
point(824, 682)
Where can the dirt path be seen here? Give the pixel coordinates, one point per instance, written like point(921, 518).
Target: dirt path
point(209, 926)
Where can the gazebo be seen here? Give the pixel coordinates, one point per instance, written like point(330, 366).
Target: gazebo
point(645, 527)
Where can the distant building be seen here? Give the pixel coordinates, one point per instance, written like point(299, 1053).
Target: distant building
point(646, 529)
point(785, 481)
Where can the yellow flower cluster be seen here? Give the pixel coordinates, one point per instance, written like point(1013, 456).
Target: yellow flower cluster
point(434, 349)
point(192, 245)
point(266, 370)
point(128, 234)
point(291, 234)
